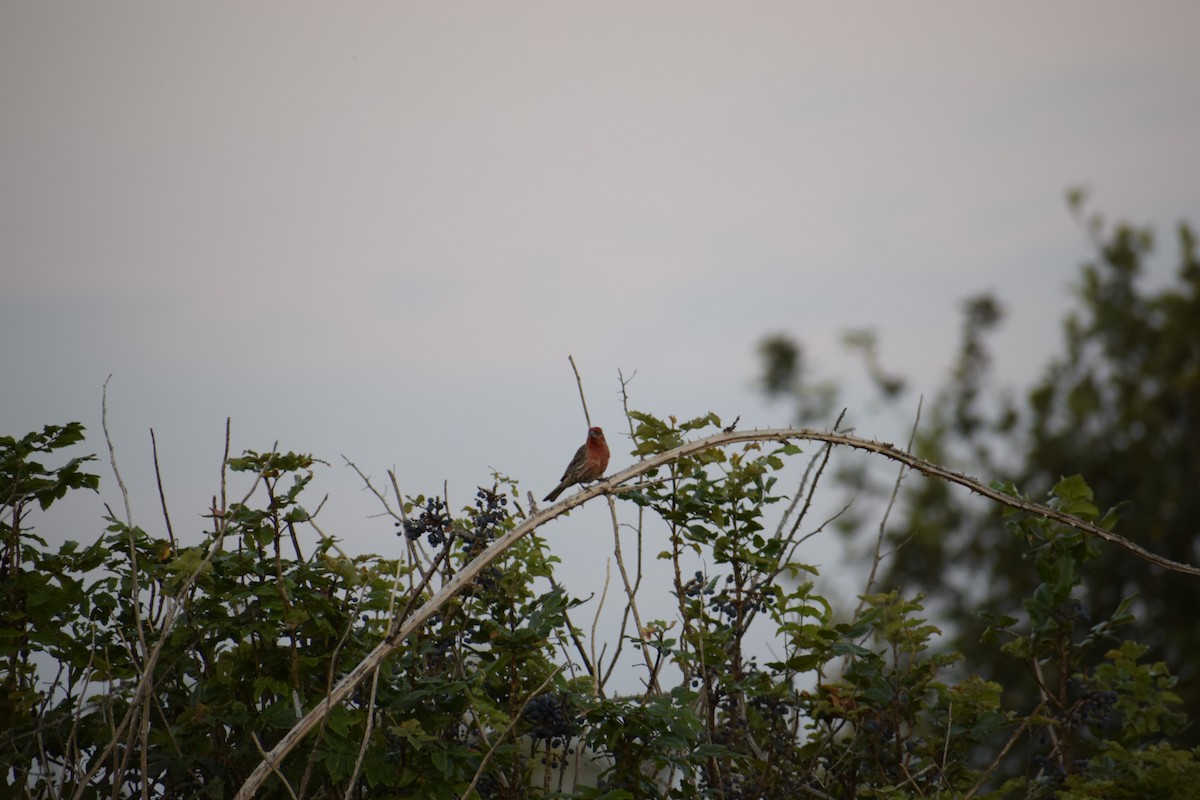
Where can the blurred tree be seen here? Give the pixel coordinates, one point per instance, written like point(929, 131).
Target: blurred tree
point(1120, 406)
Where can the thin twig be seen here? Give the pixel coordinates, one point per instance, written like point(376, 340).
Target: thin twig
point(162, 496)
point(631, 594)
point(225, 460)
point(886, 513)
point(790, 542)
point(597, 683)
point(387, 508)
point(112, 456)
point(638, 528)
point(812, 488)
point(582, 399)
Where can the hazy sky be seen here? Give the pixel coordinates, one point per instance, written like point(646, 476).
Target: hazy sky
point(379, 229)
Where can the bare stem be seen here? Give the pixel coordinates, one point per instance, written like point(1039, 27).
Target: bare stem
point(875, 560)
point(579, 383)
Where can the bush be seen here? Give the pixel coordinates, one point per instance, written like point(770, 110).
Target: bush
point(138, 665)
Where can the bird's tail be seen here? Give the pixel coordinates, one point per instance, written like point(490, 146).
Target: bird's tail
point(550, 498)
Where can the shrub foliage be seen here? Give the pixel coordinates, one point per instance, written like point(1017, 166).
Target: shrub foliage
point(139, 665)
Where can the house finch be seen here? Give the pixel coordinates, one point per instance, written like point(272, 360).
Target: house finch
point(589, 464)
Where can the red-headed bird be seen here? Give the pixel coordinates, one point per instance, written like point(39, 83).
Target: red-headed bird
point(588, 465)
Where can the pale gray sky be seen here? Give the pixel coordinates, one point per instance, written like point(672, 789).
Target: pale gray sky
point(378, 229)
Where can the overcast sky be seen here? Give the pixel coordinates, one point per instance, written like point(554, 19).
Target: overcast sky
point(378, 229)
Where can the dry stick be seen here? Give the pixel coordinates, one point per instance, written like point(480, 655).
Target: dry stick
point(631, 593)
point(597, 683)
point(156, 613)
point(612, 663)
point(225, 463)
point(783, 435)
point(886, 513)
point(640, 516)
point(801, 493)
point(378, 494)
point(582, 399)
point(822, 457)
point(162, 497)
point(812, 489)
point(112, 457)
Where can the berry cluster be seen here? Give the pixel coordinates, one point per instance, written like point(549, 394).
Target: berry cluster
point(439, 652)
point(435, 524)
point(1094, 709)
point(727, 786)
point(490, 514)
point(1071, 611)
point(697, 586)
point(487, 521)
point(723, 603)
point(774, 709)
point(753, 600)
point(438, 527)
point(491, 507)
point(1049, 776)
point(552, 718)
point(880, 727)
